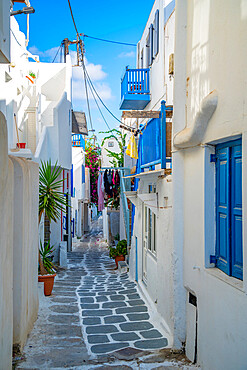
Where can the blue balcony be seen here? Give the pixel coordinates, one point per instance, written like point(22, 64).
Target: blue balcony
point(78, 141)
point(154, 145)
point(135, 93)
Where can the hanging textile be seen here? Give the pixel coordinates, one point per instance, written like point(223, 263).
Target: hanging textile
point(100, 193)
point(106, 182)
point(131, 150)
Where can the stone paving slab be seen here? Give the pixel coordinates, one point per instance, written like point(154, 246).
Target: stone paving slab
point(94, 316)
point(112, 309)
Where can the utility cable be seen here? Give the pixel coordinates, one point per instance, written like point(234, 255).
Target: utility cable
point(73, 19)
point(88, 106)
point(113, 42)
point(98, 95)
point(77, 33)
point(97, 104)
point(56, 53)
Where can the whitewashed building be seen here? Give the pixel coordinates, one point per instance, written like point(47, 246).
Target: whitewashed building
point(112, 145)
point(43, 118)
point(19, 210)
point(154, 261)
point(80, 179)
point(35, 124)
point(209, 177)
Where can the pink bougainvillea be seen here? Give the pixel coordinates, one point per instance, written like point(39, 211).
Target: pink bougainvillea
point(92, 162)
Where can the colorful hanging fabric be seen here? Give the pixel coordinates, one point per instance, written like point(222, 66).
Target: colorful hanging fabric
point(131, 150)
point(100, 193)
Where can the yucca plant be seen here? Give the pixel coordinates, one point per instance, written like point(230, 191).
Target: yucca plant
point(46, 252)
point(51, 199)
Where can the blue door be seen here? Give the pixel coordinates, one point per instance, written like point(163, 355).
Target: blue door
point(222, 210)
point(229, 250)
point(236, 212)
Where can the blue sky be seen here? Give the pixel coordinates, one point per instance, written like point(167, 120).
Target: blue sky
point(110, 19)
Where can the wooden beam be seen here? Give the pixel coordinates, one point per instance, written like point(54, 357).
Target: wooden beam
point(145, 114)
point(140, 114)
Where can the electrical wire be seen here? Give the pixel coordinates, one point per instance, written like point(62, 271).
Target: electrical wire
point(113, 42)
point(85, 80)
point(98, 104)
point(73, 19)
point(88, 106)
point(98, 94)
point(56, 53)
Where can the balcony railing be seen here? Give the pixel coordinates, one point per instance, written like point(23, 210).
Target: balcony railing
point(135, 92)
point(155, 142)
point(78, 141)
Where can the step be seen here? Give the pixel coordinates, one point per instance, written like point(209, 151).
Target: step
point(123, 267)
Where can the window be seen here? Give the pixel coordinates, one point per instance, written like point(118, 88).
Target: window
point(150, 229)
point(141, 63)
point(229, 251)
point(147, 52)
point(151, 45)
point(156, 34)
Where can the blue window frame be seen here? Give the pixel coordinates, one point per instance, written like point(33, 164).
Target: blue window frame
point(229, 248)
point(72, 182)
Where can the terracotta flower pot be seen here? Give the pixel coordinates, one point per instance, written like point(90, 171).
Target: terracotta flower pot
point(119, 258)
point(48, 281)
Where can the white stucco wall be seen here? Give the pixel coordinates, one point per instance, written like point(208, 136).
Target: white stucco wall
point(168, 298)
point(25, 248)
point(18, 249)
point(105, 160)
point(159, 264)
point(212, 52)
point(6, 250)
point(161, 85)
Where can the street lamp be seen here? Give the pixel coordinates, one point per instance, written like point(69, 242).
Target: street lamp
point(26, 10)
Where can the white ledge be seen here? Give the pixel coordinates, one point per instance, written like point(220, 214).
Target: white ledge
point(132, 196)
point(192, 136)
point(22, 153)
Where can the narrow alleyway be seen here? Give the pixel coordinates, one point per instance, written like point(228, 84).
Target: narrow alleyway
point(95, 318)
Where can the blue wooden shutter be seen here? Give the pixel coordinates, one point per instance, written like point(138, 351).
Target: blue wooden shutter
point(150, 59)
point(222, 210)
point(156, 33)
point(83, 173)
point(236, 212)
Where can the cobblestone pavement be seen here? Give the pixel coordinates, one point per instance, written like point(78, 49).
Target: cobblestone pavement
point(95, 318)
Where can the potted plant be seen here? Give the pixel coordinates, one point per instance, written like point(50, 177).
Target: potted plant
point(31, 77)
point(46, 255)
point(119, 252)
point(51, 203)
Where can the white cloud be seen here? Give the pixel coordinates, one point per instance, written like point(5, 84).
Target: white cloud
point(45, 56)
point(95, 71)
point(96, 74)
point(130, 54)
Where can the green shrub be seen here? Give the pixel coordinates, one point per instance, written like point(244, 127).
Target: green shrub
point(119, 250)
